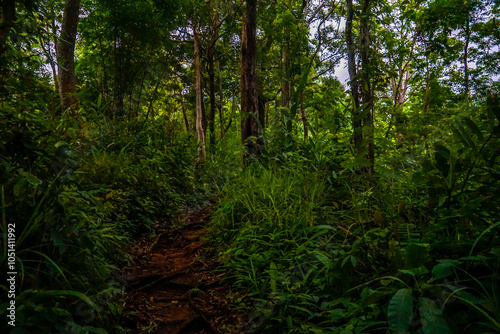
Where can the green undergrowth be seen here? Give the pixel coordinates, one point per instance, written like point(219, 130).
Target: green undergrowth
point(77, 192)
point(322, 248)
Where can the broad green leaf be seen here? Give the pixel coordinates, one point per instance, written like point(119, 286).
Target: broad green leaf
point(443, 269)
point(442, 156)
point(473, 127)
point(431, 318)
point(32, 179)
point(400, 311)
point(416, 255)
point(407, 271)
point(466, 135)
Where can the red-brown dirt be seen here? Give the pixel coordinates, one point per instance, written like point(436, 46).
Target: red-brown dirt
point(172, 286)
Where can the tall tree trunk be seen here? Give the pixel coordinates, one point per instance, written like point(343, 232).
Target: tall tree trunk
point(199, 98)
point(351, 66)
point(6, 22)
point(427, 86)
point(211, 72)
point(221, 102)
point(466, 55)
point(65, 51)
point(213, 103)
point(249, 96)
point(366, 88)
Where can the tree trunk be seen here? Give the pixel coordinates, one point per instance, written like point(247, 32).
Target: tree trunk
point(249, 97)
point(427, 88)
point(466, 55)
point(65, 51)
point(366, 88)
point(351, 65)
point(262, 113)
point(199, 99)
point(231, 116)
point(221, 102)
point(304, 116)
point(211, 87)
point(6, 22)
point(184, 114)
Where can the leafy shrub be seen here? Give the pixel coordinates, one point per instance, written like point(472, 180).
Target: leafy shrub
point(77, 192)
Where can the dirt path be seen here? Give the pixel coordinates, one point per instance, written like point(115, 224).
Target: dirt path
point(172, 287)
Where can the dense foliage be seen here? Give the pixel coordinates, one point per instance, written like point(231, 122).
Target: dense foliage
point(321, 250)
point(353, 147)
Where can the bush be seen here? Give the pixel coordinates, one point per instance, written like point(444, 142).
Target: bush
point(78, 192)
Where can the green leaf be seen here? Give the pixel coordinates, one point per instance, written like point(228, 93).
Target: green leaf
point(386, 282)
point(323, 258)
point(432, 318)
point(442, 156)
point(18, 187)
point(416, 255)
point(60, 143)
point(400, 310)
point(473, 127)
point(354, 262)
point(443, 269)
point(422, 270)
point(273, 268)
point(289, 321)
point(407, 271)
point(32, 179)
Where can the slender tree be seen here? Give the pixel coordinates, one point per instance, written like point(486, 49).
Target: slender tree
point(65, 50)
point(360, 81)
point(366, 87)
point(353, 77)
point(249, 96)
point(211, 84)
point(199, 97)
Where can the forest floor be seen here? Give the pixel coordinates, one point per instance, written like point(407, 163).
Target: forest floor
point(172, 286)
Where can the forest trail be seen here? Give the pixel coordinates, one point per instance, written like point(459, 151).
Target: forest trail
point(171, 284)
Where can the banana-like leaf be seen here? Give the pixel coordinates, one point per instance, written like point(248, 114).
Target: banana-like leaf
point(473, 128)
point(431, 318)
point(401, 311)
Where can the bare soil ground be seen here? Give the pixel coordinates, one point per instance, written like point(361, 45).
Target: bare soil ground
point(172, 286)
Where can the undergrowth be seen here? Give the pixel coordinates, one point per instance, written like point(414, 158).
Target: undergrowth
point(77, 192)
point(321, 248)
